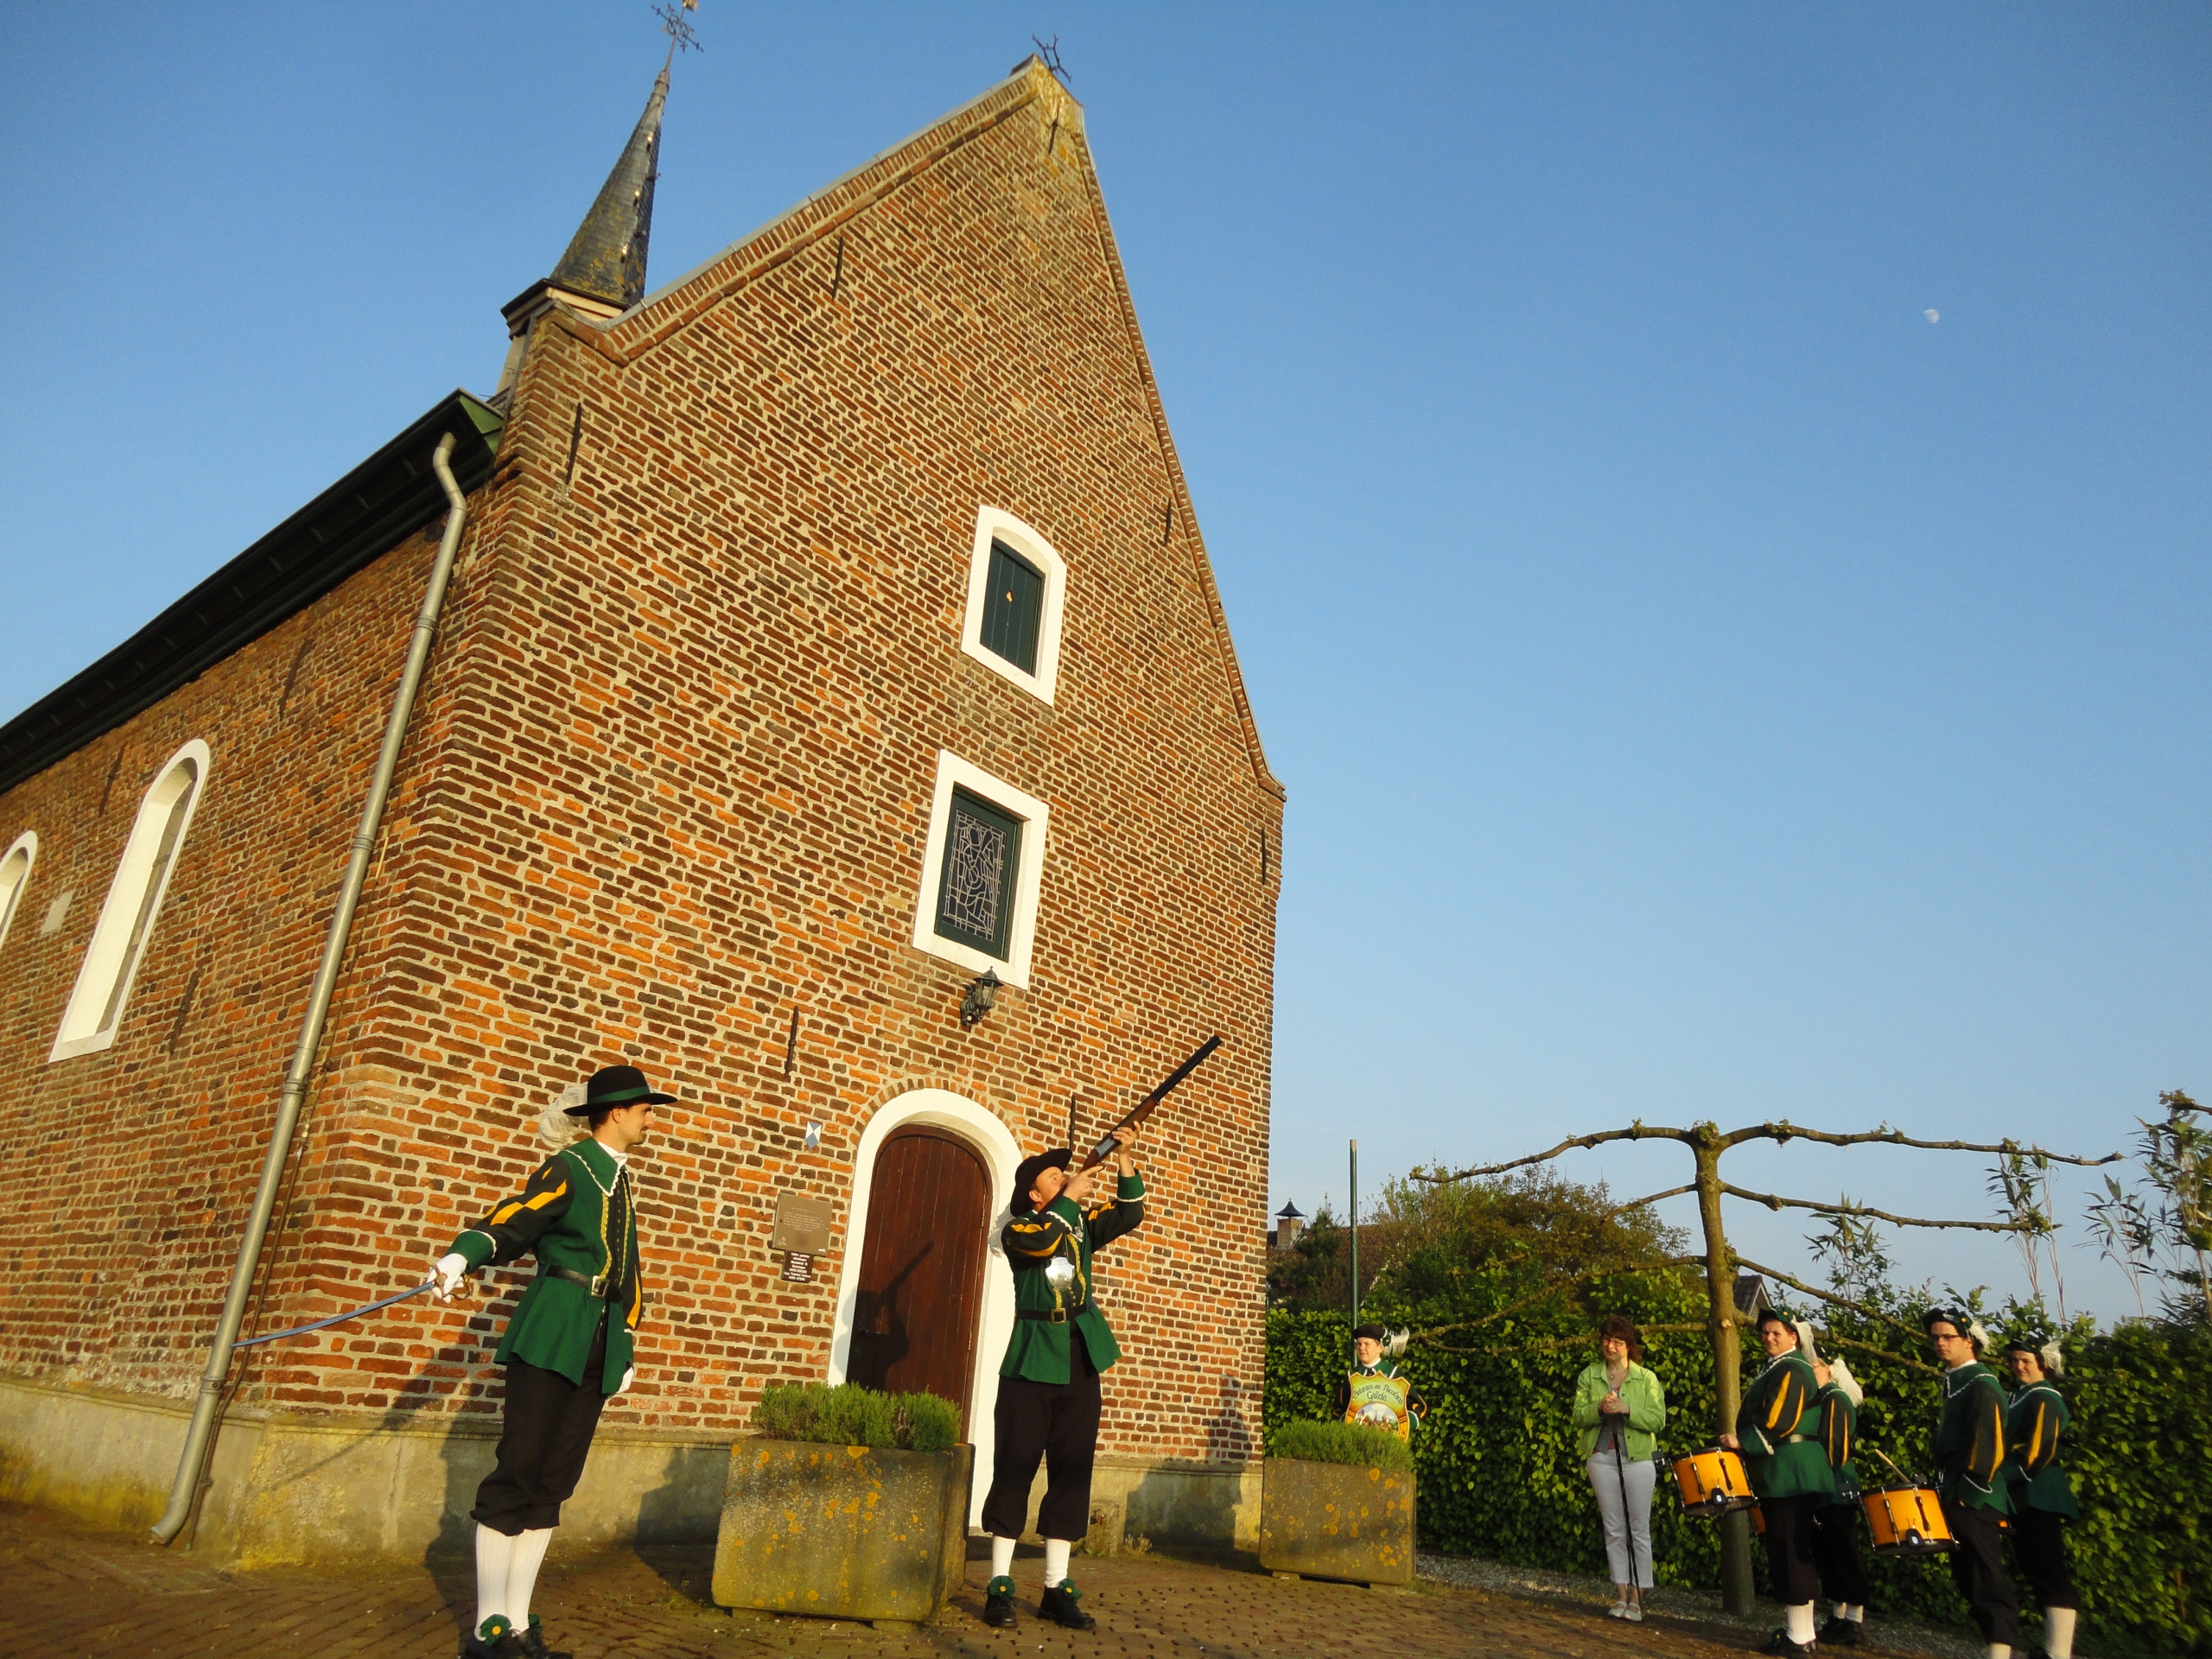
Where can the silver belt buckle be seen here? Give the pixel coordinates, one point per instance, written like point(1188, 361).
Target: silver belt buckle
point(599, 1284)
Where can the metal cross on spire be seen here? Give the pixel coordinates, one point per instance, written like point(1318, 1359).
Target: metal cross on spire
point(678, 27)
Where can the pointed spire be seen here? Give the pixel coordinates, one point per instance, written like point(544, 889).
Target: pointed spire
point(607, 259)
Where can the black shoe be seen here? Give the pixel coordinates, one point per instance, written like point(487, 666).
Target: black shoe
point(494, 1639)
point(1063, 1604)
point(998, 1603)
point(1842, 1631)
point(533, 1641)
point(1780, 1642)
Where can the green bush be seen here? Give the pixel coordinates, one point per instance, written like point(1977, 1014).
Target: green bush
point(849, 1414)
point(1353, 1443)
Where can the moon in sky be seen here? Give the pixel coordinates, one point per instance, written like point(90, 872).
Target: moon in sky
point(1933, 315)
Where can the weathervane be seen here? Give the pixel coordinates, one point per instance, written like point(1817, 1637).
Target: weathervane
point(678, 27)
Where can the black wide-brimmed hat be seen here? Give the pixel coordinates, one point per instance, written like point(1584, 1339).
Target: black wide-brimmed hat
point(1026, 1176)
point(617, 1085)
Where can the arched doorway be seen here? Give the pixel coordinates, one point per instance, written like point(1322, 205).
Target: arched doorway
point(921, 1280)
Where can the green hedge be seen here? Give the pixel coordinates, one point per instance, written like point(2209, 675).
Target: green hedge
point(849, 1414)
point(1499, 1475)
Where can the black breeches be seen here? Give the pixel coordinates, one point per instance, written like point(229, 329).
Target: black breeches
point(1835, 1553)
point(2039, 1546)
point(1057, 1422)
point(544, 1440)
point(1790, 1547)
point(1978, 1569)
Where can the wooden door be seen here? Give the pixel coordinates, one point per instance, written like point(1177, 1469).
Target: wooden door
point(921, 1290)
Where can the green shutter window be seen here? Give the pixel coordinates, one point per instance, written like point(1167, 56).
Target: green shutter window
point(975, 894)
point(1013, 607)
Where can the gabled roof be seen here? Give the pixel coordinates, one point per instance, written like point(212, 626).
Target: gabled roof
point(370, 510)
point(669, 310)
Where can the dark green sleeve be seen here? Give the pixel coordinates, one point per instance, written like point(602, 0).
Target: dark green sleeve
point(516, 1225)
point(1122, 1213)
point(1987, 1406)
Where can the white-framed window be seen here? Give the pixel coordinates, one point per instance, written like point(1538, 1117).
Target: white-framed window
point(134, 900)
point(980, 872)
point(14, 875)
point(1017, 587)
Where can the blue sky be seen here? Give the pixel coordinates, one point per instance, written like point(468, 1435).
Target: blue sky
point(1706, 686)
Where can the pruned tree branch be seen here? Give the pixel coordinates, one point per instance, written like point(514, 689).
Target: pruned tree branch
point(1548, 1287)
point(1654, 1198)
point(1634, 1132)
point(1846, 1208)
point(1785, 1131)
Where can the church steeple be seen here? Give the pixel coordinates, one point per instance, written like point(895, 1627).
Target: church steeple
point(603, 272)
point(607, 259)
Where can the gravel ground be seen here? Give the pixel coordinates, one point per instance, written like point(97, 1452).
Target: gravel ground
point(1666, 1601)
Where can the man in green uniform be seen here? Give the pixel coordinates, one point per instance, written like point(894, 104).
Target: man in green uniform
point(1777, 1430)
point(1374, 1393)
point(1970, 1453)
point(567, 1349)
point(2043, 1502)
point(1048, 1402)
point(1835, 1526)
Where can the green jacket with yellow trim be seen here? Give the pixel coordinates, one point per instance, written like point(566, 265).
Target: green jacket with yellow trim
point(1970, 1440)
point(2033, 1422)
point(1778, 1426)
point(1839, 1436)
point(1063, 1231)
point(576, 1213)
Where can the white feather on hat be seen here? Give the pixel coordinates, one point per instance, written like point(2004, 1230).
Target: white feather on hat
point(1839, 1374)
point(1980, 1333)
point(2053, 1358)
point(1804, 1330)
point(1396, 1345)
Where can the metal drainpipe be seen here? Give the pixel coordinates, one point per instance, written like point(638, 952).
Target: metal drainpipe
point(201, 1436)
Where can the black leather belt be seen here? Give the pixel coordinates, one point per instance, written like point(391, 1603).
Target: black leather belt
point(1049, 1315)
point(596, 1284)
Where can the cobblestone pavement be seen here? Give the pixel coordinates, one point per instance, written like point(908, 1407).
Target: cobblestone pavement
point(78, 1592)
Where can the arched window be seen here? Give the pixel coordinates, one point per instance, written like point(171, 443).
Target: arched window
point(134, 899)
point(14, 876)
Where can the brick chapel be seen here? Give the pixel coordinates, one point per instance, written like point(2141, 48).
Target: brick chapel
point(830, 644)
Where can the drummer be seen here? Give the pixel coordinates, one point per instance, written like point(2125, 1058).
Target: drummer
point(1835, 1526)
point(1779, 1432)
point(1976, 1495)
point(2041, 1500)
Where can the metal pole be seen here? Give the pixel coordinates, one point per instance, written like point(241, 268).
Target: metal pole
point(1355, 1235)
point(199, 1438)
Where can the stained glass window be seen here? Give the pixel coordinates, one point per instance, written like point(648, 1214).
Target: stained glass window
point(983, 853)
point(1013, 607)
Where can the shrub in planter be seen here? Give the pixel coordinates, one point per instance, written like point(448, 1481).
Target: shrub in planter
point(1337, 1502)
point(846, 1503)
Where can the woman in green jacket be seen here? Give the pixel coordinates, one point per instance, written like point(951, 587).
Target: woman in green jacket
point(1620, 1407)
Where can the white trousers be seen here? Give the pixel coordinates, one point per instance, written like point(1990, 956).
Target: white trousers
point(1625, 1524)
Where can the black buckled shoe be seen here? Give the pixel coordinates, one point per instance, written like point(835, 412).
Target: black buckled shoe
point(1063, 1604)
point(1841, 1631)
point(494, 1639)
point(1779, 1643)
point(533, 1641)
point(998, 1603)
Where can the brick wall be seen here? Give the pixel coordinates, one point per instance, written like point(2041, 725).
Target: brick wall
point(670, 781)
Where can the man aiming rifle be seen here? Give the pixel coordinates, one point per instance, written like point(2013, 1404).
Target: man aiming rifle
point(1049, 1403)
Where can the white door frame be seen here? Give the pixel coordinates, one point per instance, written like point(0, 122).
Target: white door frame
point(991, 1139)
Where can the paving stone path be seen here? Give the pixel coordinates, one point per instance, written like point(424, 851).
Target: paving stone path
point(79, 1592)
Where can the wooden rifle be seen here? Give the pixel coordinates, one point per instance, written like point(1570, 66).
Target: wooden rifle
point(1145, 1108)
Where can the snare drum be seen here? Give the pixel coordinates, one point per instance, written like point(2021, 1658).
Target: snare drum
point(1907, 1521)
point(1712, 1482)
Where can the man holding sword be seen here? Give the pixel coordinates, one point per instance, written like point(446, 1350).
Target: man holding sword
point(1048, 1402)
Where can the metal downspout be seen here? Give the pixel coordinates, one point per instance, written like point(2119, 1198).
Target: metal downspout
point(199, 1438)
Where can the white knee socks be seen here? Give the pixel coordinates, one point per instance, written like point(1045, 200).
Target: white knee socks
point(2000, 1650)
point(2058, 1632)
point(1001, 1557)
point(1801, 1623)
point(1056, 1560)
point(522, 1574)
point(495, 1552)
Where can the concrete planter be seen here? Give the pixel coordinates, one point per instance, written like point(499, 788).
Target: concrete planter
point(1337, 1520)
point(842, 1531)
